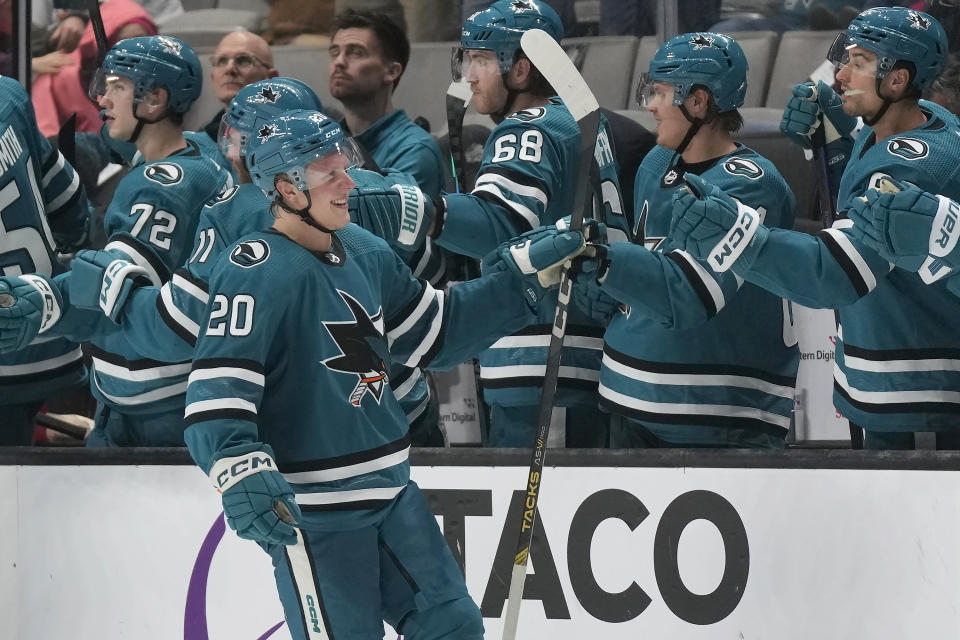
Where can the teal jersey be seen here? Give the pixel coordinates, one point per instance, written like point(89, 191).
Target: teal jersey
point(128, 153)
point(399, 146)
point(529, 171)
point(42, 207)
point(692, 351)
point(151, 221)
point(898, 356)
point(318, 397)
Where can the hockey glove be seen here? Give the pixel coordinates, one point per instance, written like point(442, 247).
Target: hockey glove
point(809, 102)
point(536, 258)
point(911, 228)
point(29, 305)
point(257, 501)
point(588, 294)
point(104, 280)
point(402, 214)
point(712, 226)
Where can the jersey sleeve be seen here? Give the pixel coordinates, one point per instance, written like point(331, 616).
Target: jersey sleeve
point(226, 383)
point(825, 271)
point(521, 166)
point(429, 328)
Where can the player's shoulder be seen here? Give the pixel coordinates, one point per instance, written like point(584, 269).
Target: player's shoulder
point(658, 159)
point(552, 118)
point(746, 174)
point(256, 260)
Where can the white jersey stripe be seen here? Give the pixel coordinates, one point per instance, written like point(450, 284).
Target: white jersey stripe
point(893, 397)
point(426, 298)
point(400, 392)
point(66, 194)
point(349, 471)
point(716, 293)
point(301, 572)
point(706, 410)
point(901, 366)
point(176, 314)
point(518, 342)
point(357, 495)
point(143, 398)
point(226, 372)
point(140, 375)
point(43, 365)
point(536, 370)
point(54, 170)
point(418, 410)
point(185, 285)
point(858, 262)
point(219, 404)
point(699, 380)
point(532, 219)
point(431, 337)
point(134, 255)
point(514, 187)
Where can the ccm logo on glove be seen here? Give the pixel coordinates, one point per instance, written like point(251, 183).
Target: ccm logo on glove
point(227, 472)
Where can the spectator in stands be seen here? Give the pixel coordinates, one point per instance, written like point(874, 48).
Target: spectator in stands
point(795, 14)
point(638, 17)
point(368, 55)
point(945, 90)
point(241, 58)
point(58, 95)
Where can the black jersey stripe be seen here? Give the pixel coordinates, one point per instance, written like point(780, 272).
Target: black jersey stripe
point(519, 177)
point(897, 407)
point(846, 263)
point(355, 505)
point(233, 363)
point(221, 414)
point(730, 422)
point(516, 382)
point(132, 365)
point(522, 223)
point(347, 460)
point(171, 322)
point(70, 368)
point(137, 248)
point(698, 285)
point(698, 369)
point(199, 283)
point(583, 330)
point(406, 311)
point(881, 355)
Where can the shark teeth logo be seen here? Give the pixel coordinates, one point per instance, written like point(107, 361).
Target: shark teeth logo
point(908, 148)
point(701, 42)
point(165, 173)
point(742, 167)
point(250, 254)
point(357, 341)
point(917, 21)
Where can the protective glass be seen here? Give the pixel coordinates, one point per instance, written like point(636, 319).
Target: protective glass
point(858, 63)
point(473, 63)
point(653, 93)
point(231, 141)
point(243, 61)
point(323, 168)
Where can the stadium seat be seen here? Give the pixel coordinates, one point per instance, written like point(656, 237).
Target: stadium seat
point(205, 27)
point(798, 54)
point(605, 62)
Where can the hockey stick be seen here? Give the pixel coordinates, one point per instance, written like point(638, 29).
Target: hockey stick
point(60, 425)
point(550, 60)
point(825, 203)
point(458, 94)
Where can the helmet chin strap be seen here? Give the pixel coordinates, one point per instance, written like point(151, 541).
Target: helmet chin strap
point(142, 121)
point(304, 213)
point(886, 105)
point(695, 124)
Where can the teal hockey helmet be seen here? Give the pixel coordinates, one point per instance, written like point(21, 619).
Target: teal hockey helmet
point(259, 102)
point(712, 60)
point(500, 26)
point(151, 62)
point(896, 34)
point(288, 143)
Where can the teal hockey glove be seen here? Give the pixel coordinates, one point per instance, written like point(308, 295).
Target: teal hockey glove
point(402, 214)
point(714, 227)
point(801, 118)
point(911, 228)
point(588, 295)
point(257, 501)
point(536, 258)
point(104, 280)
point(29, 305)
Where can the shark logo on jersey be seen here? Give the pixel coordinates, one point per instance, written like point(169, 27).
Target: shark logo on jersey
point(363, 350)
point(908, 148)
point(701, 42)
point(669, 178)
point(640, 230)
point(164, 173)
point(742, 167)
point(528, 115)
point(917, 21)
point(250, 253)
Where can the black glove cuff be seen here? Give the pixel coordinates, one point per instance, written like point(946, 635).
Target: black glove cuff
point(603, 262)
point(439, 217)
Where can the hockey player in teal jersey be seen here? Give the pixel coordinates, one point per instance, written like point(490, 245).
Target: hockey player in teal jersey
point(288, 407)
point(146, 87)
point(42, 210)
point(526, 179)
point(898, 350)
point(678, 367)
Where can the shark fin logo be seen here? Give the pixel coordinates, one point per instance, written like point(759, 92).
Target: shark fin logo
point(164, 173)
point(908, 148)
point(640, 230)
point(250, 254)
point(743, 167)
point(363, 351)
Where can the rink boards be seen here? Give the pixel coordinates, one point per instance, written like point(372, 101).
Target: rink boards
point(640, 545)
